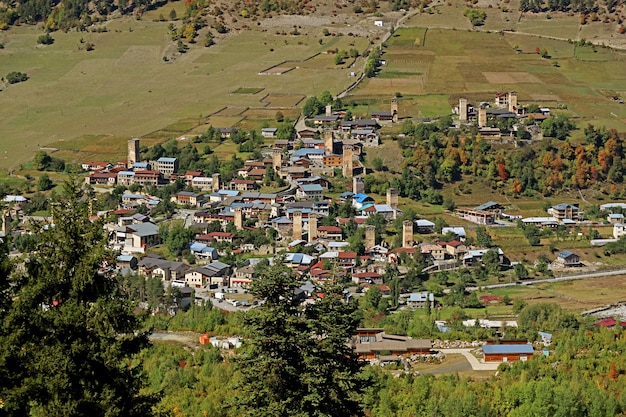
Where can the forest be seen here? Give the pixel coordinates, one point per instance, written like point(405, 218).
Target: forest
point(436, 155)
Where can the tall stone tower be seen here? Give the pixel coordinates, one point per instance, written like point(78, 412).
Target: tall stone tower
point(329, 110)
point(312, 227)
point(6, 223)
point(370, 236)
point(358, 185)
point(297, 225)
point(407, 233)
point(238, 218)
point(329, 147)
point(463, 110)
point(392, 198)
point(215, 183)
point(134, 154)
point(277, 159)
point(394, 110)
point(513, 102)
point(482, 117)
point(348, 153)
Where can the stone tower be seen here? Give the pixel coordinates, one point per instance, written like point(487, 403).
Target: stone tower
point(358, 185)
point(392, 198)
point(297, 225)
point(370, 236)
point(407, 233)
point(482, 117)
point(348, 153)
point(513, 102)
point(329, 148)
point(463, 110)
point(6, 223)
point(277, 159)
point(215, 183)
point(329, 110)
point(394, 110)
point(238, 218)
point(133, 152)
point(312, 227)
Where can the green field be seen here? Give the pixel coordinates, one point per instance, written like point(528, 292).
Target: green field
point(124, 87)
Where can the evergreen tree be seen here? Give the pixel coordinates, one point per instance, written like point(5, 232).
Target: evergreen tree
point(296, 361)
point(69, 335)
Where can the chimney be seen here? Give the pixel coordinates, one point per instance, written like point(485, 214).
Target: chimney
point(407, 234)
point(297, 225)
point(370, 236)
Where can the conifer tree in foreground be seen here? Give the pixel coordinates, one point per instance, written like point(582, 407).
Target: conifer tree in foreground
point(68, 333)
point(296, 360)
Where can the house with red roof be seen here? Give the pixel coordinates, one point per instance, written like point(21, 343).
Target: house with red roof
point(367, 278)
point(609, 323)
point(330, 232)
point(216, 237)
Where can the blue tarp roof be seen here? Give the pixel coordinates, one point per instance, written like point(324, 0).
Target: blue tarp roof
point(496, 349)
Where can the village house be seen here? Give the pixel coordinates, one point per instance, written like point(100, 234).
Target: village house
point(567, 259)
point(243, 276)
point(565, 211)
point(167, 165)
point(102, 178)
point(164, 269)
point(508, 352)
point(220, 237)
point(420, 300)
point(371, 343)
point(138, 237)
point(309, 192)
point(243, 185)
point(213, 273)
point(268, 132)
point(187, 198)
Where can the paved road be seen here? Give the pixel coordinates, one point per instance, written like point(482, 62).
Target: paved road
point(476, 364)
point(557, 279)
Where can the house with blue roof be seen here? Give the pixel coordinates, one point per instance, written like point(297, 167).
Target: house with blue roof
point(359, 200)
point(567, 259)
point(309, 192)
point(420, 300)
point(508, 352)
point(312, 154)
point(203, 251)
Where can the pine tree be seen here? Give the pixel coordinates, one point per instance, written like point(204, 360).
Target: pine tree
point(70, 334)
point(296, 361)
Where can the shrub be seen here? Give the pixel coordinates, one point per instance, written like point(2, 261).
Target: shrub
point(15, 77)
point(45, 39)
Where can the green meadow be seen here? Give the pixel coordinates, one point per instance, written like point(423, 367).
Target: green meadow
point(87, 103)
